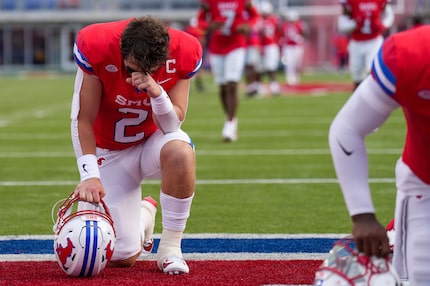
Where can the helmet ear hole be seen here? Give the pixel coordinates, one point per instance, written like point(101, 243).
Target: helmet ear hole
point(345, 266)
point(84, 239)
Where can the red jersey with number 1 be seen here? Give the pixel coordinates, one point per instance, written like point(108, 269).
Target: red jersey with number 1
point(367, 14)
point(125, 115)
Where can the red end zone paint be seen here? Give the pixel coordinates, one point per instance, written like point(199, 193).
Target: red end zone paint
point(316, 88)
point(248, 272)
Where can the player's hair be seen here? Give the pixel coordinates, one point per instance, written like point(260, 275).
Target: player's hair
point(145, 41)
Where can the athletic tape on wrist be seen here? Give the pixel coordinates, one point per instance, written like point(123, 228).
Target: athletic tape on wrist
point(161, 104)
point(88, 167)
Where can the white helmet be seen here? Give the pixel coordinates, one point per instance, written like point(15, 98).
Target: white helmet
point(344, 266)
point(292, 15)
point(266, 8)
point(84, 239)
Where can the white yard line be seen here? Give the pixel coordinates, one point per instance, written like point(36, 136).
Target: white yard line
point(275, 181)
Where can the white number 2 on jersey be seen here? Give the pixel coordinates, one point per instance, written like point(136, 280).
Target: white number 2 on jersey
point(121, 125)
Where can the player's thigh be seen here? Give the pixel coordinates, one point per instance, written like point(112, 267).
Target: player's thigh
point(123, 195)
point(253, 55)
point(417, 239)
point(217, 63)
point(412, 245)
point(356, 59)
point(271, 57)
point(288, 52)
point(372, 48)
point(234, 65)
point(150, 163)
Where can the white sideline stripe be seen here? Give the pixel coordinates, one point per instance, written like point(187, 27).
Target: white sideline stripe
point(193, 256)
point(254, 256)
point(256, 152)
point(206, 182)
point(205, 235)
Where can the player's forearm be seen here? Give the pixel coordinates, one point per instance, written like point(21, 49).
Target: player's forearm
point(345, 24)
point(85, 150)
point(165, 114)
point(388, 17)
point(351, 165)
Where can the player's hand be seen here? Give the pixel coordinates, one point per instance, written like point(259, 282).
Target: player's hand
point(215, 25)
point(244, 28)
point(145, 82)
point(90, 190)
point(370, 236)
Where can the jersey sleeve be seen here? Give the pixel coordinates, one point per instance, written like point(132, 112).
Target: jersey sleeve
point(80, 53)
point(192, 58)
point(384, 67)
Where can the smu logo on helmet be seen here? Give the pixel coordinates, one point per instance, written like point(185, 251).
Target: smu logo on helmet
point(64, 252)
point(109, 251)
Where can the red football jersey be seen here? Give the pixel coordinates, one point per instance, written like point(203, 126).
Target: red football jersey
point(269, 30)
point(231, 13)
point(367, 14)
point(292, 33)
point(125, 115)
point(402, 70)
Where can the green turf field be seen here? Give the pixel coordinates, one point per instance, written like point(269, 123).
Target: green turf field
point(277, 178)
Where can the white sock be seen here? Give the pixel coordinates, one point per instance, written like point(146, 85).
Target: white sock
point(175, 212)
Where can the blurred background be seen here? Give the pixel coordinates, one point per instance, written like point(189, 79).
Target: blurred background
point(38, 35)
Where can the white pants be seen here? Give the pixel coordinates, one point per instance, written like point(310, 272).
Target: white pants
point(229, 67)
point(271, 57)
point(361, 54)
point(122, 173)
point(411, 258)
point(253, 57)
point(293, 57)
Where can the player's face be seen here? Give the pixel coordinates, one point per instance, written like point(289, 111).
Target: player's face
point(130, 67)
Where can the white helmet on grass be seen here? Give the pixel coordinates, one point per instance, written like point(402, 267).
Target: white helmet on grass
point(84, 239)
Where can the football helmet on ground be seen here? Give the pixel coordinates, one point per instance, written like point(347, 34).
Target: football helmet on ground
point(84, 239)
point(344, 266)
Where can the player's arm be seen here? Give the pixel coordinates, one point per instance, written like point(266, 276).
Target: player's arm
point(387, 16)
point(366, 110)
point(90, 98)
point(345, 23)
point(89, 94)
point(168, 109)
point(202, 14)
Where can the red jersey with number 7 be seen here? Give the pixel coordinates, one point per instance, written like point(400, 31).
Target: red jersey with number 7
point(231, 13)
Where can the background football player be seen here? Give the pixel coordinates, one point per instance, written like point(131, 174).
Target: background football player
point(398, 79)
point(365, 21)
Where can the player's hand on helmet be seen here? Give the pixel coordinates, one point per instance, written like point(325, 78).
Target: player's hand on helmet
point(145, 82)
point(90, 190)
point(370, 236)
